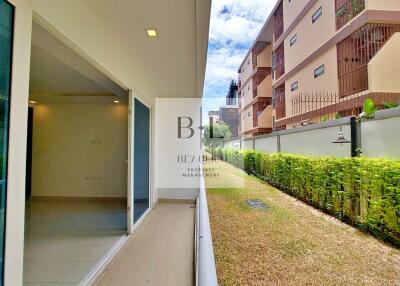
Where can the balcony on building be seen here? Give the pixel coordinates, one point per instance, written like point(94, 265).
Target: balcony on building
point(261, 54)
point(346, 10)
point(364, 57)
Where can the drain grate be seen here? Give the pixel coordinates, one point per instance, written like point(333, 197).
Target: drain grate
point(256, 204)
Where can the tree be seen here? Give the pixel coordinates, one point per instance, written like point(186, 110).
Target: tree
point(215, 134)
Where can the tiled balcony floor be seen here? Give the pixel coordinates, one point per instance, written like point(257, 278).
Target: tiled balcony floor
point(65, 240)
point(160, 252)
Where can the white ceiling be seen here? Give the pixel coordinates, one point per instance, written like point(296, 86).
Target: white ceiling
point(50, 76)
point(58, 74)
point(111, 36)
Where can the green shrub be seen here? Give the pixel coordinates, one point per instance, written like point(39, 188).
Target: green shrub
point(361, 191)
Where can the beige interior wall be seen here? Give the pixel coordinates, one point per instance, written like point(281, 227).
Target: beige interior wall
point(393, 5)
point(79, 150)
point(383, 70)
point(310, 36)
point(328, 82)
point(291, 10)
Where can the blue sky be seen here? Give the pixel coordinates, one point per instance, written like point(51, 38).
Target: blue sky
point(234, 26)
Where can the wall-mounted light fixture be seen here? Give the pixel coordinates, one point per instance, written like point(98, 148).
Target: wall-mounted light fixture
point(116, 101)
point(341, 139)
point(32, 102)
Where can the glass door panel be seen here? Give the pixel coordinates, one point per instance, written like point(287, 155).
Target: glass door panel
point(6, 35)
point(141, 160)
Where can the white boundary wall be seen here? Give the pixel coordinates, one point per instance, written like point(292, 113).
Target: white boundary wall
point(381, 137)
point(312, 140)
point(267, 144)
point(378, 137)
point(317, 142)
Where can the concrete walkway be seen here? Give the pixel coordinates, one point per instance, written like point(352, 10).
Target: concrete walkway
point(160, 252)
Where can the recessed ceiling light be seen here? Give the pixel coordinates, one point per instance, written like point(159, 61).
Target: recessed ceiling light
point(116, 101)
point(151, 33)
point(33, 102)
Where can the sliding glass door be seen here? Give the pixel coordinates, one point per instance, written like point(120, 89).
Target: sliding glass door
point(6, 36)
point(141, 160)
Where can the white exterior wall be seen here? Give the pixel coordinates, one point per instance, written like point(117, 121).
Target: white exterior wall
point(268, 145)
point(317, 142)
point(233, 144)
point(380, 138)
point(247, 145)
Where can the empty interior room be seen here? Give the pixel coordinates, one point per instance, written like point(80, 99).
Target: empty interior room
point(77, 165)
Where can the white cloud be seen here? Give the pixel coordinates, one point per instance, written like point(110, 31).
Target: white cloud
point(241, 22)
point(234, 26)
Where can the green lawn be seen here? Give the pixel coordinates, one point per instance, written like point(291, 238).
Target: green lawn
point(290, 243)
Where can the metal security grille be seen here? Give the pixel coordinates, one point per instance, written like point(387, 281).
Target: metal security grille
point(324, 106)
point(280, 102)
point(279, 21)
point(356, 51)
point(279, 61)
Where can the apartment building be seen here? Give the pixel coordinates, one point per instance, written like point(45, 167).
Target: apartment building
point(255, 89)
point(328, 57)
point(213, 116)
point(229, 113)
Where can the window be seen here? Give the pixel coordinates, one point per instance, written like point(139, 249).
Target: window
point(316, 15)
point(248, 61)
point(248, 114)
point(293, 40)
point(294, 86)
point(6, 39)
point(248, 87)
point(319, 71)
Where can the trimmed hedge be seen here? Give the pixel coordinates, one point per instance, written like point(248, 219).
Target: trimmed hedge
point(361, 191)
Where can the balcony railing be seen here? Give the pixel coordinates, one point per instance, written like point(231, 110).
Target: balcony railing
point(347, 10)
point(324, 106)
point(206, 274)
point(279, 62)
point(280, 102)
